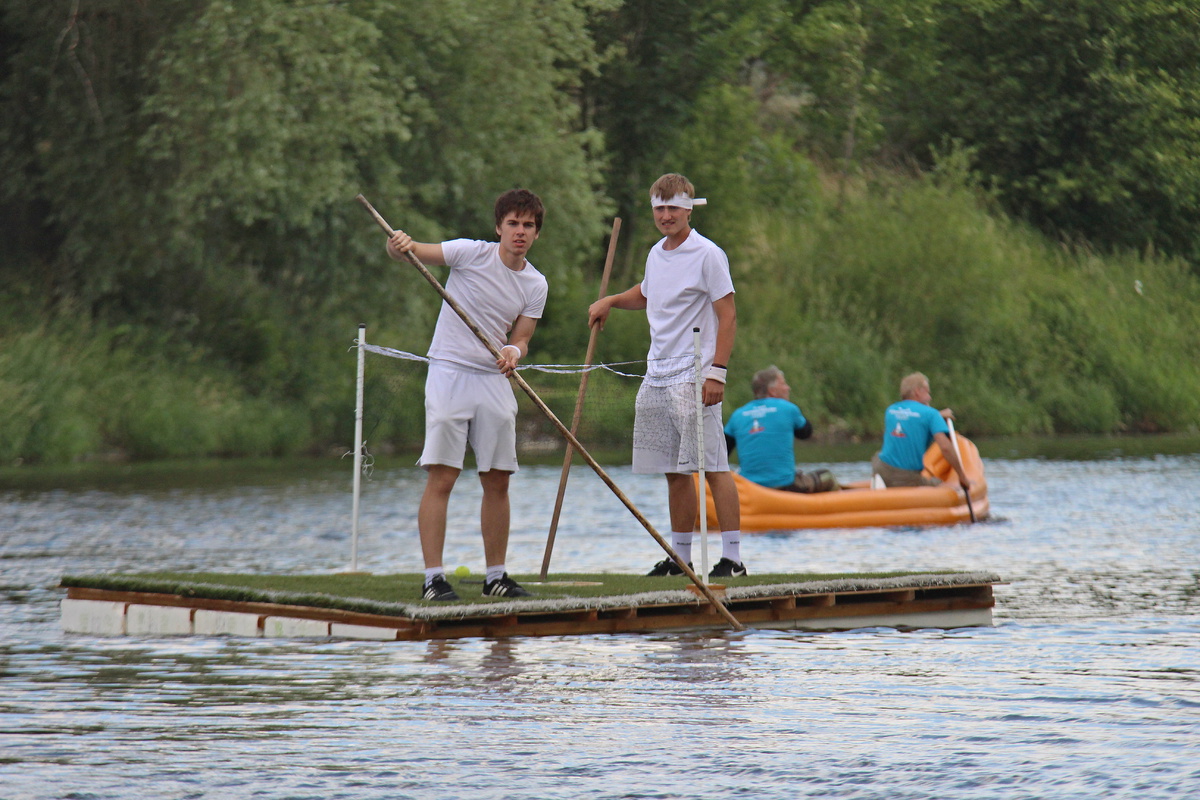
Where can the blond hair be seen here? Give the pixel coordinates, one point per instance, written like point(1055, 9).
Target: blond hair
point(910, 383)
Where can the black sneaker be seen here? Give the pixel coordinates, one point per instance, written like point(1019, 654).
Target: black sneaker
point(439, 590)
point(725, 568)
point(666, 567)
point(504, 586)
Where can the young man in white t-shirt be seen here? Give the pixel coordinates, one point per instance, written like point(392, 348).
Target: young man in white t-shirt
point(687, 285)
point(468, 398)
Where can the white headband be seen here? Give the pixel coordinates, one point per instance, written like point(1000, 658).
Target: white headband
point(679, 201)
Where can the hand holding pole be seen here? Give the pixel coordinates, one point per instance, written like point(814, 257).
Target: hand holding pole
point(958, 453)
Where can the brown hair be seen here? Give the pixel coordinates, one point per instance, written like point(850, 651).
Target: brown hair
point(670, 185)
point(521, 202)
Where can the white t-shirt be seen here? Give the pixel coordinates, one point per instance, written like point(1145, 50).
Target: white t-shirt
point(493, 297)
point(680, 287)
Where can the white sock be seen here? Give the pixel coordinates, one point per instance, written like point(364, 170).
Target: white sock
point(494, 573)
point(681, 543)
point(433, 572)
point(731, 546)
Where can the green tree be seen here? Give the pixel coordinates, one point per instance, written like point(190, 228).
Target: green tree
point(1085, 114)
point(660, 58)
point(193, 164)
point(188, 167)
point(496, 111)
point(845, 71)
point(750, 172)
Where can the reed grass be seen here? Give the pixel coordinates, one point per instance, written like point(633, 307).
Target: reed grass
point(1018, 334)
point(73, 390)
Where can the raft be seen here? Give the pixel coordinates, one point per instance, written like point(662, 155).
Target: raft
point(114, 605)
point(857, 505)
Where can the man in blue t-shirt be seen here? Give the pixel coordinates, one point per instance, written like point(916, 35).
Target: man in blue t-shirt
point(909, 427)
point(763, 431)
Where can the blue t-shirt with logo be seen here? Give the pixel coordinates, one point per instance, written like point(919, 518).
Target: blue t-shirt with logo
point(909, 427)
point(765, 431)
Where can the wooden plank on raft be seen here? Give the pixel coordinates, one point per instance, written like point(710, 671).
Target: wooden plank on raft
point(912, 606)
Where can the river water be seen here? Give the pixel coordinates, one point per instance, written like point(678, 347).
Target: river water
point(1086, 687)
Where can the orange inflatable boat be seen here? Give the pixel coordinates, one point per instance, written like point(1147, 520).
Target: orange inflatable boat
point(857, 505)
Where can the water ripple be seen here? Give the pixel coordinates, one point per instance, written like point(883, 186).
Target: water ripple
point(1086, 687)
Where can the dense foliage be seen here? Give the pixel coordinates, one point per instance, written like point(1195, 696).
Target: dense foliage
point(1005, 195)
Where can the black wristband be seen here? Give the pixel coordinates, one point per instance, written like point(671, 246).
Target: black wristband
point(720, 366)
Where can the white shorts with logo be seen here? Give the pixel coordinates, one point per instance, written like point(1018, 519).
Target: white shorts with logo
point(664, 432)
point(464, 406)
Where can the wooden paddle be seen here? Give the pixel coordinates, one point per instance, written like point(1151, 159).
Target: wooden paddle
point(717, 605)
point(583, 382)
point(958, 453)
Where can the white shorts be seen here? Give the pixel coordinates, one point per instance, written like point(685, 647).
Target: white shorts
point(664, 432)
point(462, 407)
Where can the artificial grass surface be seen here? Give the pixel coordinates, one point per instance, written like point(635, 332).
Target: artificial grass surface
point(371, 593)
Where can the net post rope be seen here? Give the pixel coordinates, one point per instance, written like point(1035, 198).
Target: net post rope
point(553, 369)
point(680, 365)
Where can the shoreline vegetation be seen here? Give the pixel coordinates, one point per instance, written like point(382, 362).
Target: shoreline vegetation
point(1019, 335)
point(258, 471)
point(185, 266)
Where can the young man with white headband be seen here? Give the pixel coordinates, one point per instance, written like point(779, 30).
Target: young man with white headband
point(468, 398)
point(687, 285)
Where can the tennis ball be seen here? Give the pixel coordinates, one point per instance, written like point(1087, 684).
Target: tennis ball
point(462, 572)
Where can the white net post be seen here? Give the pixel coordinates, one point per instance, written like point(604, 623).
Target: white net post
point(358, 446)
point(702, 493)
